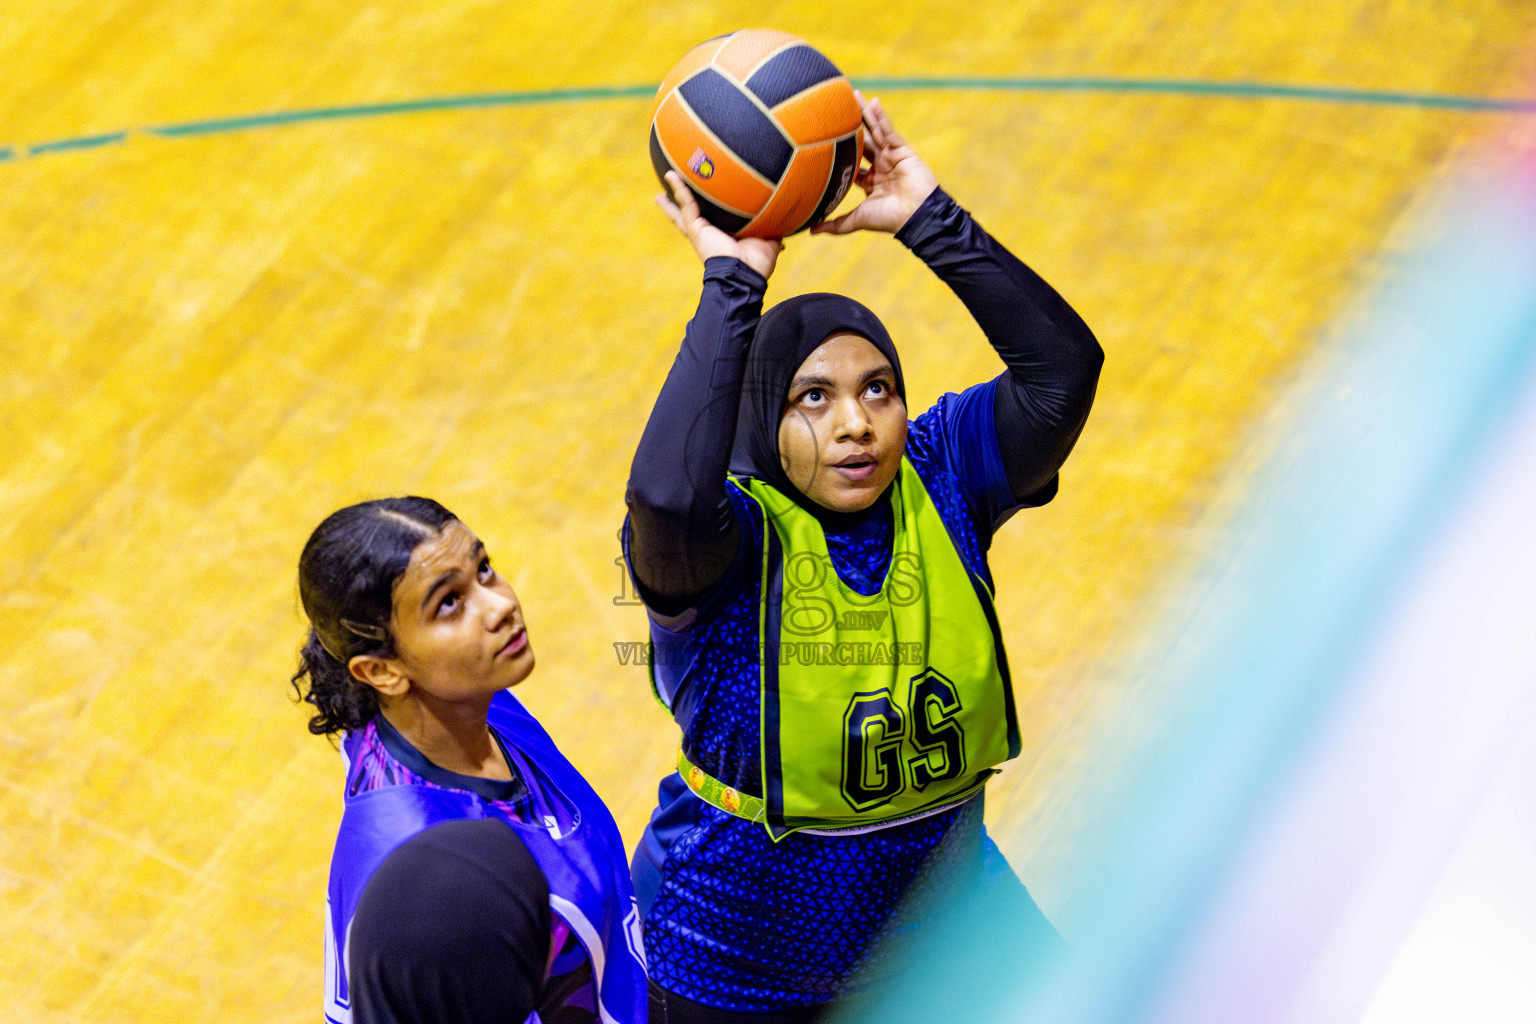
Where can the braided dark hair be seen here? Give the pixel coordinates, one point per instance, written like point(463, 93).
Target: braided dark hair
point(347, 575)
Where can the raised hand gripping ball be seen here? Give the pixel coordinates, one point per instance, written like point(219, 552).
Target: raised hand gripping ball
point(763, 128)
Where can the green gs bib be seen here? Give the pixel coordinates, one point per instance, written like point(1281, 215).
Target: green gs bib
point(873, 709)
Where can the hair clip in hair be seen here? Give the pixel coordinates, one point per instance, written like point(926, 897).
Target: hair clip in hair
point(327, 647)
point(364, 630)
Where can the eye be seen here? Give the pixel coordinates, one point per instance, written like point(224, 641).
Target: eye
point(879, 389)
point(487, 574)
point(813, 396)
point(448, 605)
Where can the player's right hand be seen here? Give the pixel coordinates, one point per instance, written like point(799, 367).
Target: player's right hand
point(761, 254)
point(895, 183)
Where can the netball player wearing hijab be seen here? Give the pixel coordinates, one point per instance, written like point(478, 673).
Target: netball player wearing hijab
point(476, 876)
point(781, 502)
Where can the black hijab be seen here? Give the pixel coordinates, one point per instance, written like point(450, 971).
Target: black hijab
point(786, 335)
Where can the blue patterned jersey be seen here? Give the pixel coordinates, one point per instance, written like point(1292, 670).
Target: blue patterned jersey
point(733, 919)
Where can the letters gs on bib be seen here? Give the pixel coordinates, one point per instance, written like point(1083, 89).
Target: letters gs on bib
point(875, 727)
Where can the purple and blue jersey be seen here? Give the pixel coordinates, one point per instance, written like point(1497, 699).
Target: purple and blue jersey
point(590, 959)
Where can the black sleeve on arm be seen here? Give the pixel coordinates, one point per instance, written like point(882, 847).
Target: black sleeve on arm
point(1052, 357)
point(453, 928)
point(683, 533)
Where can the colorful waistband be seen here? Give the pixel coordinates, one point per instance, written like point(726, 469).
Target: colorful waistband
point(744, 805)
point(717, 794)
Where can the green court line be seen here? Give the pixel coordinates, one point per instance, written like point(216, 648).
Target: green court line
point(492, 99)
point(1239, 90)
point(1232, 90)
point(88, 142)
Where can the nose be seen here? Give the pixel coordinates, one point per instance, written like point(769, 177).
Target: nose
point(852, 423)
point(500, 607)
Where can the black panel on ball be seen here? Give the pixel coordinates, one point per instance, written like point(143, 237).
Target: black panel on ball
point(719, 216)
point(845, 164)
point(659, 160)
point(736, 121)
point(794, 70)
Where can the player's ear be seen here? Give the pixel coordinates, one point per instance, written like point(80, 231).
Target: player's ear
point(383, 674)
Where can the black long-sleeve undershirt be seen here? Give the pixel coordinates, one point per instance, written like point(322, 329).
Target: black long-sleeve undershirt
point(682, 531)
point(683, 534)
point(1052, 357)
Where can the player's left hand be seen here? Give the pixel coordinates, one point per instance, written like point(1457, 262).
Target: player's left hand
point(682, 209)
point(895, 183)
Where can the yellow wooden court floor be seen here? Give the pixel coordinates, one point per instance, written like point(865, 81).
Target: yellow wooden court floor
point(261, 260)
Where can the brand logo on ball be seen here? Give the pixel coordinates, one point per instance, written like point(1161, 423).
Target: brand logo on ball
point(700, 164)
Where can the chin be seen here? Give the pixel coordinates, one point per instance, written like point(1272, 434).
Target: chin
point(858, 501)
point(852, 499)
point(526, 666)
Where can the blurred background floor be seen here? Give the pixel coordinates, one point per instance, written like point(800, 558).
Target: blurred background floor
point(211, 340)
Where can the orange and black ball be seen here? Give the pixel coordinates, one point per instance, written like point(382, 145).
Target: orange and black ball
point(763, 128)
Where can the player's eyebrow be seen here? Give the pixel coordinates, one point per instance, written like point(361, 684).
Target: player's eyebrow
point(811, 381)
point(476, 553)
point(818, 381)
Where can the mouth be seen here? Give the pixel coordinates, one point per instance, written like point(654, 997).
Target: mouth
point(856, 467)
point(516, 645)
